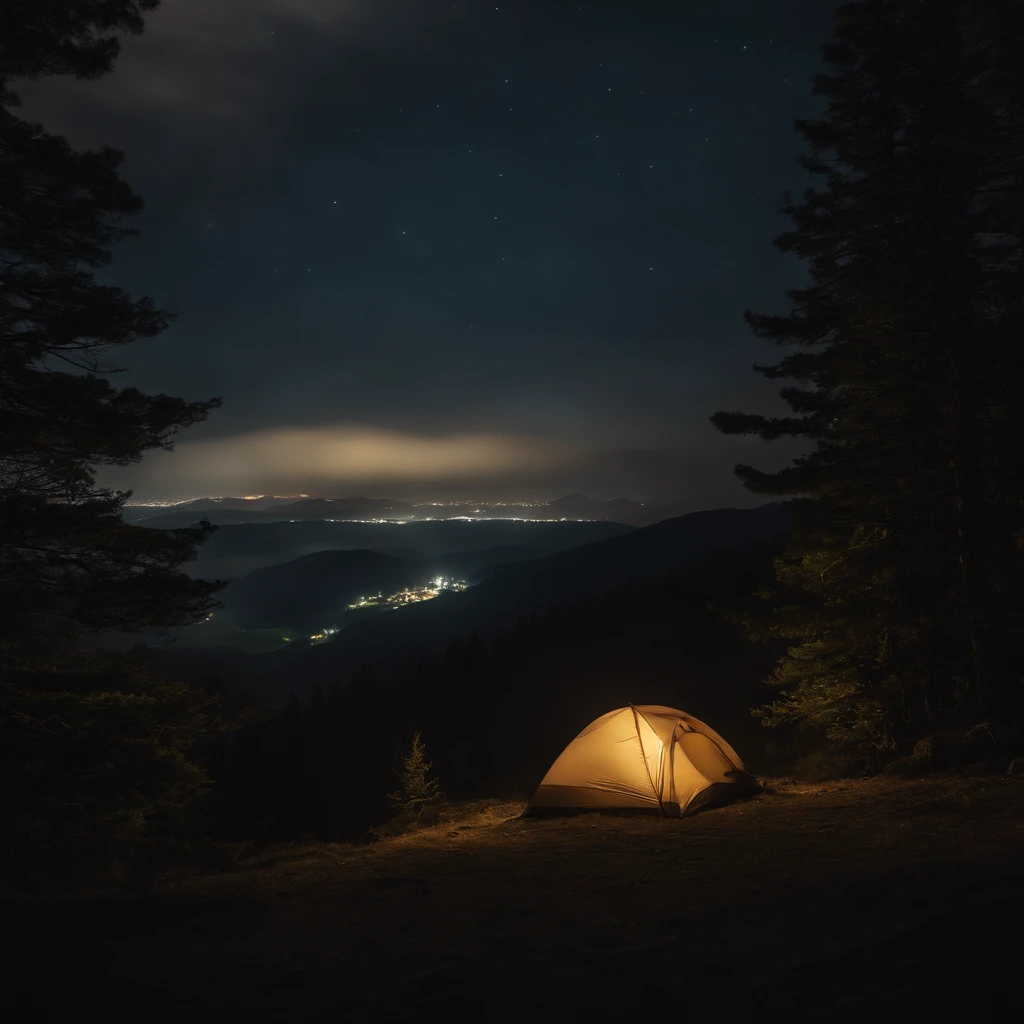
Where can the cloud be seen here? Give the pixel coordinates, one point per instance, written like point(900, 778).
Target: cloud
point(326, 459)
point(209, 61)
point(358, 459)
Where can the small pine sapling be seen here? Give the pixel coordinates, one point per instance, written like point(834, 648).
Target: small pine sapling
point(416, 786)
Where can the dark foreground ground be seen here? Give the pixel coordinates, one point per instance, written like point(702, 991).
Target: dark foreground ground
point(843, 901)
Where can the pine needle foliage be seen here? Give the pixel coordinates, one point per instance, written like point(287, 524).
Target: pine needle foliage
point(416, 786)
point(95, 750)
point(899, 588)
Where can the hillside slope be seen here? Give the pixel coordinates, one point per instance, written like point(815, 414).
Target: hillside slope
point(313, 590)
point(849, 901)
point(318, 586)
point(235, 550)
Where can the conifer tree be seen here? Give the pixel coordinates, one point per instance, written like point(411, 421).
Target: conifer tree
point(40, 38)
point(92, 744)
point(901, 517)
point(66, 557)
point(416, 785)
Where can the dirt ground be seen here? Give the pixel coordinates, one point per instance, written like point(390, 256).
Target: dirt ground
point(831, 901)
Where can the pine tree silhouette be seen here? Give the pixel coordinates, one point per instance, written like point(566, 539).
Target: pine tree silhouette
point(899, 591)
point(95, 749)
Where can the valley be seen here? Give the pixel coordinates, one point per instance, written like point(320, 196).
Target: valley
point(244, 645)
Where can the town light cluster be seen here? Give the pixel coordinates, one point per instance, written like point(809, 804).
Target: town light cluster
point(410, 595)
point(324, 634)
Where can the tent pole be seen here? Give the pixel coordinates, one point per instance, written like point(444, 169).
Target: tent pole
point(636, 725)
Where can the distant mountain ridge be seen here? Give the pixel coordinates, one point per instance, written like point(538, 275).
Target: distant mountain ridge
point(235, 550)
point(236, 511)
point(233, 511)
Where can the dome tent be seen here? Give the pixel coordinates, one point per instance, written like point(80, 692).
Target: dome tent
point(643, 758)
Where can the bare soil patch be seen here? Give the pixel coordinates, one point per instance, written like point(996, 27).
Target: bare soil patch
point(821, 901)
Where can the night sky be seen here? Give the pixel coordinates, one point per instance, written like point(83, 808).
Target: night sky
point(425, 249)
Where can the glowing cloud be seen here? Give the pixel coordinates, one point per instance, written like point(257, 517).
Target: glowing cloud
point(330, 457)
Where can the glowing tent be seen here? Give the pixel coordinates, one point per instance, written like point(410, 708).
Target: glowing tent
point(643, 758)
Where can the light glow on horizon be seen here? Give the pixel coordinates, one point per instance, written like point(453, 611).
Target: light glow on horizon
point(344, 455)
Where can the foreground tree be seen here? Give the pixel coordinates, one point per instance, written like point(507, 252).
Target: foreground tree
point(897, 586)
point(79, 730)
point(40, 38)
point(416, 786)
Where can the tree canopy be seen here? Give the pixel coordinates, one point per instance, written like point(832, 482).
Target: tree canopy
point(42, 38)
point(898, 587)
point(95, 747)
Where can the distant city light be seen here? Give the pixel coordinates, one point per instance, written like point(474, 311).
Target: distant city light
point(410, 595)
point(460, 511)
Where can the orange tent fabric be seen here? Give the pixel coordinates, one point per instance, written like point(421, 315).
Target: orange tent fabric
point(644, 758)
